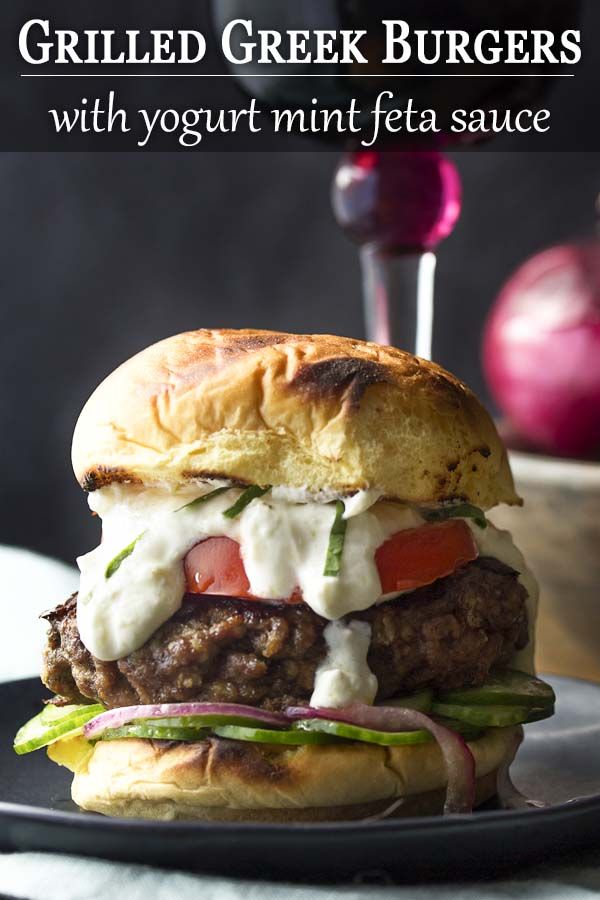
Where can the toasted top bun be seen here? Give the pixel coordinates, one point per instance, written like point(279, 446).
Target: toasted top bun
point(305, 411)
point(222, 779)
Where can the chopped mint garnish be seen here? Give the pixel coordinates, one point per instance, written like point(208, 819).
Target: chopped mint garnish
point(116, 561)
point(200, 500)
point(245, 499)
point(335, 548)
point(460, 511)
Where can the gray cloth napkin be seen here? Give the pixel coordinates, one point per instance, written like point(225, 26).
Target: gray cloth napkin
point(41, 876)
point(44, 876)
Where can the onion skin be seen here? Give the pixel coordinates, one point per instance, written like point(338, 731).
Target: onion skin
point(541, 350)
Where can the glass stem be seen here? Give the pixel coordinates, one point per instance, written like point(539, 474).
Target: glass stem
point(398, 298)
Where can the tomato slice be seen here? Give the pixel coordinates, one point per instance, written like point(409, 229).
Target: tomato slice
point(215, 567)
point(418, 556)
point(409, 559)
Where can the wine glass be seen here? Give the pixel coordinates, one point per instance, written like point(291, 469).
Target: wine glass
point(398, 206)
point(397, 201)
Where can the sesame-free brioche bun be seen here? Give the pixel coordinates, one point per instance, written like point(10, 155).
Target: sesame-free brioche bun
point(305, 411)
point(225, 780)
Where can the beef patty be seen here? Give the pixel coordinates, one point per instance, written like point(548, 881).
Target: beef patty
point(447, 635)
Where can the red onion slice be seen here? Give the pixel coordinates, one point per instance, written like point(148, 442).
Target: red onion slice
point(509, 796)
point(114, 718)
point(460, 765)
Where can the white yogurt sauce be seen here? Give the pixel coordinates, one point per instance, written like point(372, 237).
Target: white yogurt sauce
point(283, 546)
point(344, 676)
point(354, 504)
point(360, 502)
point(283, 538)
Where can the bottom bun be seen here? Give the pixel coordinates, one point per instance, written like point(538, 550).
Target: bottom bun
point(227, 780)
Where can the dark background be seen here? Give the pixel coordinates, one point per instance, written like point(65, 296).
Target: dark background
point(102, 254)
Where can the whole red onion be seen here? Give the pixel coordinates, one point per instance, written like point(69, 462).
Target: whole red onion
point(541, 350)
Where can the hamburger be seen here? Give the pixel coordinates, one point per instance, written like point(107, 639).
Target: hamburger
point(298, 609)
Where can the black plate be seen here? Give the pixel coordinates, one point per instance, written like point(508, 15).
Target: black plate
point(558, 761)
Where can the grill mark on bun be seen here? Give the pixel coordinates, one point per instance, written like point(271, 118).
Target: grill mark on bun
point(244, 343)
point(210, 475)
point(248, 762)
point(101, 476)
point(339, 377)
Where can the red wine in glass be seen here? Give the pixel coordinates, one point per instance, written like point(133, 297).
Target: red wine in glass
point(396, 201)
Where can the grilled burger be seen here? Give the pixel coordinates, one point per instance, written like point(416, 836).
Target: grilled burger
point(298, 608)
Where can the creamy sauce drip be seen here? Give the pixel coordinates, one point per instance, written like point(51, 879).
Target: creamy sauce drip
point(283, 546)
point(344, 676)
point(283, 538)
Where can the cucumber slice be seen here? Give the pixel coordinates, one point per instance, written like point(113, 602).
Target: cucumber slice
point(383, 738)
point(266, 736)
point(468, 732)
point(488, 716)
point(421, 701)
point(536, 715)
point(505, 688)
point(52, 714)
point(54, 725)
point(149, 731)
point(203, 720)
point(311, 731)
point(366, 735)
